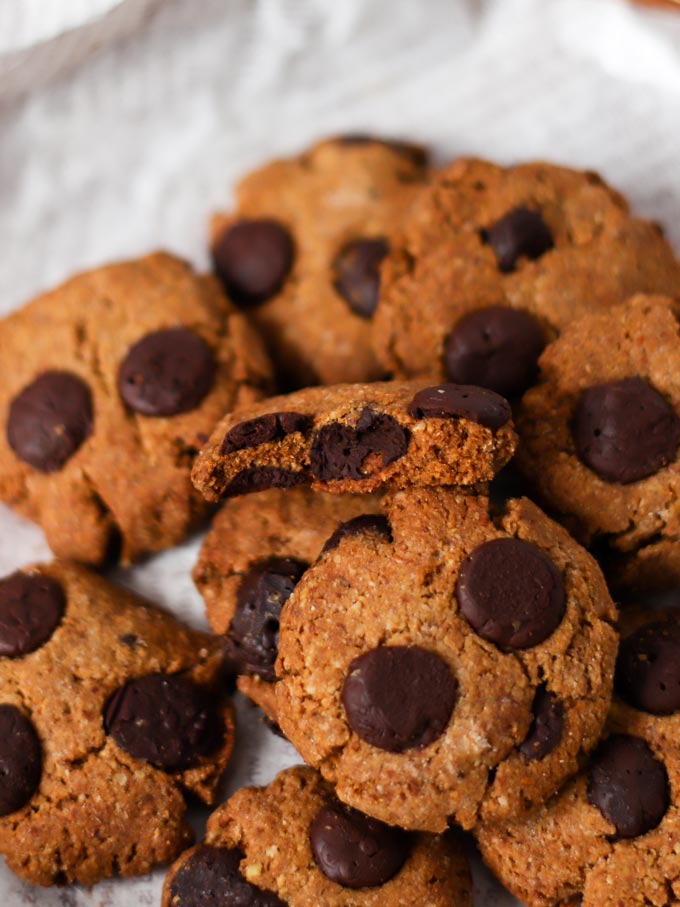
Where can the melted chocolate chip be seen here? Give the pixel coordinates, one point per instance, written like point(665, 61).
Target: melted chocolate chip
point(259, 478)
point(253, 259)
point(163, 719)
point(521, 233)
point(629, 785)
point(49, 420)
point(356, 271)
point(399, 697)
point(461, 401)
point(31, 608)
point(546, 729)
point(511, 593)
point(625, 431)
point(253, 640)
point(264, 430)
point(355, 851)
point(20, 760)
point(366, 523)
point(166, 373)
point(496, 348)
point(340, 451)
point(211, 877)
point(648, 669)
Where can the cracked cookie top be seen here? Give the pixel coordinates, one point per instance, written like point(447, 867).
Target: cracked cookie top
point(109, 386)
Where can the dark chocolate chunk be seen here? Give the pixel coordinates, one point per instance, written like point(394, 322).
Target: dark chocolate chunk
point(366, 523)
point(211, 877)
point(461, 401)
point(629, 785)
point(163, 719)
point(546, 729)
point(49, 420)
point(166, 373)
point(253, 259)
point(20, 760)
point(521, 233)
point(625, 430)
point(259, 478)
point(356, 272)
point(648, 668)
point(511, 593)
point(399, 697)
point(354, 850)
point(31, 608)
point(264, 429)
point(340, 451)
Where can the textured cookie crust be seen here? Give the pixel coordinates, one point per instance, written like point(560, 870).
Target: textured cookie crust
point(271, 827)
point(128, 483)
point(440, 267)
point(371, 592)
point(99, 812)
point(638, 523)
point(337, 192)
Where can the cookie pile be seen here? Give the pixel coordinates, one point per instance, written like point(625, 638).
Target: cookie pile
point(450, 350)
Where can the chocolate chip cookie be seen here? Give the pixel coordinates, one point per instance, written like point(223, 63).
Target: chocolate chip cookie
point(359, 437)
point(493, 262)
point(292, 843)
point(611, 838)
point(109, 711)
point(600, 436)
point(108, 387)
point(456, 665)
point(302, 252)
point(256, 551)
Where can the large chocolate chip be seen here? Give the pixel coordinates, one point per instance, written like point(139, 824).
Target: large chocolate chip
point(496, 348)
point(521, 233)
point(546, 729)
point(356, 270)
point(259, 478)
point(340, 451)
point(461, 401)
point(625, 431)
point(31, 608)
point(163, 719)
point(399, 697)
point(211, 877)
point(511, 593)
point(49, 420)
point(253, 640)
point(628, 785)
point(366, 523)
point(253, 259)
point(648, 669)
point(166, 373)
point(20, 760)
point(265, 429)
point(355, 851)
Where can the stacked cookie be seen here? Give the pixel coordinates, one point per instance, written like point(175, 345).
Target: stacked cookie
point(440, 652)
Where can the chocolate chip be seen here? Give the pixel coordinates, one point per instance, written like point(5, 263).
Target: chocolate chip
point(163, 719)
point(366, 523)
point(253, 640)
point(399, 697)
point(340, 451)
point(265, 429)
point(49, 420)
point(496, 348)
point(648, 668)
point(521, 233)
point(20, 760)
point(356, 272)
point(31, 608)
point(253, 259)
point(355, 851)
point(546, 729)
point(259, 478)
point(625, 431)
point(629, 785)
point(461, 401)
point(415, 153)
point(211, 877)
point(511, 593)
point(166, 373)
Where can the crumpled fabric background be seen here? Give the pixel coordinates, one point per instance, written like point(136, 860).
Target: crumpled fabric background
point(132, 148)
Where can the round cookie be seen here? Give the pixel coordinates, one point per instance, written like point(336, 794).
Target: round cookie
point(109, 385)
point(491, 263)
point(109, 711)
point(302, 252)
point(292, 844)
point(600, 436)
point(619, 819)
point(455, 668)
